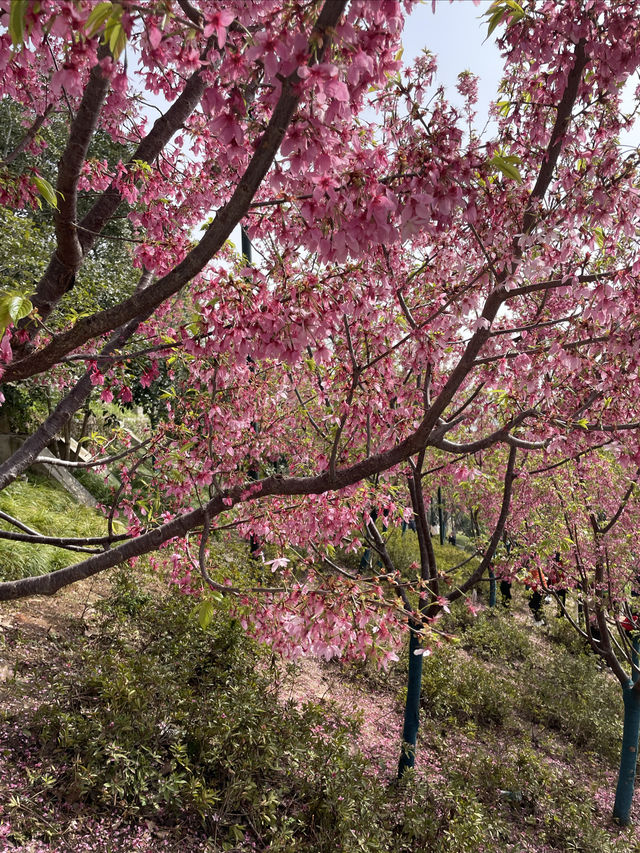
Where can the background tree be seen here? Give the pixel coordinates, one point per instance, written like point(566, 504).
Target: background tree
point(429, 593)
point(587, 511)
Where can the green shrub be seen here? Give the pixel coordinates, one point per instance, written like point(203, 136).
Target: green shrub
point(569, 694)
point(95, 485)
point(160, 720)
point(494, 635)
point(154, 719)
point(176, 724)
point(457, 688)
point(516, 783)
point(449, 819)
point(561, 633)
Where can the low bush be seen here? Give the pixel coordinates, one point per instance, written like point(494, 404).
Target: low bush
point(561, 633)
point(159, 720)
point(95, 485)
point(516, 783)
point(571, 695)
point(155, 721)
point(459, 689)
point(181, 725)
point(495, 635)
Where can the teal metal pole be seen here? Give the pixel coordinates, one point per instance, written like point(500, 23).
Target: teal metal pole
point(412, 707)
point(628, 755)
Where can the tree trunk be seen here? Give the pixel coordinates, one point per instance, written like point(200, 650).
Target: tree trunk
point(492, 588)
point(412, 707)
point(629, 754)
point(440, 516)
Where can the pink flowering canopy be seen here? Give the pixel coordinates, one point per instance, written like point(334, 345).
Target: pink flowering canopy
point(574, 527)
point(418, 288)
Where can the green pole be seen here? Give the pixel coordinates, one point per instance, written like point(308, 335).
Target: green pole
point(628, 755)
point(412, 707)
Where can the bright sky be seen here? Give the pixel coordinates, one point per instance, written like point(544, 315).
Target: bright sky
point(456, 33)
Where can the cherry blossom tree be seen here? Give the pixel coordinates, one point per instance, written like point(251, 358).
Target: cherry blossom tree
point(427, 596)
point(416, 286)
point(587, 512)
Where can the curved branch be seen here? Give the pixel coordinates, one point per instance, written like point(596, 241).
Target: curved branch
point(142, 304)
point(105, 460)
point(501, 434)
point(275, 485)
point(489, 554)
point(623, 503)
point(563, 117)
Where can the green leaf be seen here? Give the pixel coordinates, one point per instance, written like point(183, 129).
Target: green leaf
point(46, 191)
point(117, 39)
point(19, 307)
point(98, 17)
point(599, 235)
point(205, 613)
point(502, 9)
point(506, 165)
point(13, 307)
point(517, 12)
point(495, 20)
point(142, 166)
point(16, 21)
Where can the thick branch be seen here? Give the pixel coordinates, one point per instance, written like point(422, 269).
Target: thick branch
point(501, 434)
point(178, 527)
point(81, 132)
point(142, 305)
point(55, 280)
point(563, 117)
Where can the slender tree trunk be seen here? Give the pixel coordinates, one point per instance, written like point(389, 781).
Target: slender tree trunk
point(440, 516)
point(629, 754)
point(246, 245)
point(492, 588)
point(412, 707)
point(83, 430)
point(428, 572)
